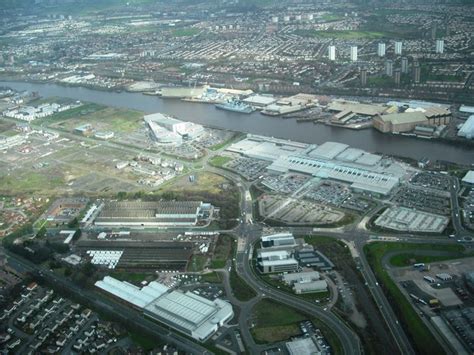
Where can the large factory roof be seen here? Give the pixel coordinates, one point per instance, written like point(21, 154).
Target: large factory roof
point(266, 148)
point(404, 117)
point(357, 108)
point(188, 312)
point(328, 150)
point(359, 178)
point(469, 177)
point(259, 100)
point(467, 129)
point(121, 209)
point(161, 119)
point(130, 293)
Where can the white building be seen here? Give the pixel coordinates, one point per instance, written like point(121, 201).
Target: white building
point(440, 46)
point(354, 53)
point(381, 50)
point(332, 53)
point(186, 312)
point(276, 261)
point(10, 142)
point(467, 129)
point(278, 240)
point(398, 48)
point(310, 287)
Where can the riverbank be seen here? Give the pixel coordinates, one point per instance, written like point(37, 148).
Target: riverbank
point(256, 123)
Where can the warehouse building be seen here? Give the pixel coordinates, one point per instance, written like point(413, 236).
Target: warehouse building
point(310, 287)
point(186, 312)
point(300, 277)
point(285, 240)
point(276, 261)
point(259, 101)
point(399, 122)
point(153, 213)
point(469, 178)
point(307, 345)
point(363, 171)
point(467, 129)
point(177, 129)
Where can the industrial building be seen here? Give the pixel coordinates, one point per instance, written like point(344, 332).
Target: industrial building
point(285, 240)
point(300, 277)
point(307, 345)
point(399, 122)
point(186, 312)
point(153, 214)
point(467, 129)
point(167, 129)
point(308, 257)
point(259, 101)
point(335, 161)
point(276, 261)
point(469, 177)
point(310, 287)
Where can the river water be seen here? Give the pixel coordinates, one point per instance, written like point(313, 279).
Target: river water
point(206, 114)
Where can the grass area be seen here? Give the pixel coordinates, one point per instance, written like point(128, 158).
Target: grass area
point(31, 181)
point(219, 161)
point(197, 263)
point(108, 118)
point(407, 259)
point(184, 32)
point(83, 110)
point(424, 342)
point(211, 277)
point(241, 290)
point(129, 276)
point(275, 322)
point(143, 340)
point(342, 34)
point(222, 251)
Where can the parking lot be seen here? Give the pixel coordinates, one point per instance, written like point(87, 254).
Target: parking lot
point(338, 195)
point(290, 211)
point(250, 169)
point(432, 180)
point(423, 200)
point(286, 183)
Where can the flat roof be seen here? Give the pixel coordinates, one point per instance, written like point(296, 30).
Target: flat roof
point(356, 107)
point(404, 117)
point(303, 346)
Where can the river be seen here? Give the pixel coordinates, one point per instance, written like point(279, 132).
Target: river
point(205, 114)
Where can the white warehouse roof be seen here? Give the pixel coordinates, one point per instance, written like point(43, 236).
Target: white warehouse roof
point(469, 177)
point(186, 312)
point(467, 129)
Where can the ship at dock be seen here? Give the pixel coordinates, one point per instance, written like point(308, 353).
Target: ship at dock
point(235, 106)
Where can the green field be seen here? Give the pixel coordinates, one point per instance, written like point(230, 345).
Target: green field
point(31, 181)
point(241, 290)
point(407, 259)
point(423, 340)
point(222, 252)
point(197, 263)
point(101, 118)
point(275, 322)
point(341, 34)
point(211, 277)
point(184, 32)
point(219, 161)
